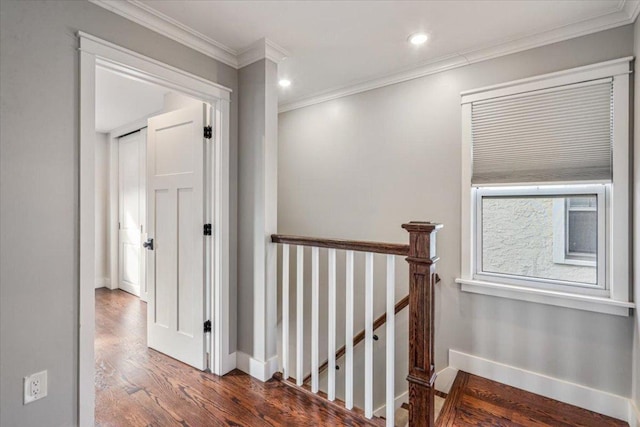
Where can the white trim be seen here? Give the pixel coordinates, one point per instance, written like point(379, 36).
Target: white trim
point(102, 282)
point(619, 201)
point(398, 401)
point(545, 296)
point(86, 321)
point(554, 388)
point(147, 16)
point(626, 13)
point(261, 49)
point(258, 369)
point(134, 290)
point(632, 9)
point(445, 379)
point(578, 75)
point(93, 52)
point(223, 359)
point(113, 57)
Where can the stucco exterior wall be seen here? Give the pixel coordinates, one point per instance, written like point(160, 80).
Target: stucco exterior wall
point(518, 239)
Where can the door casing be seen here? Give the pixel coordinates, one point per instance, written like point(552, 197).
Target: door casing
point(95, 52)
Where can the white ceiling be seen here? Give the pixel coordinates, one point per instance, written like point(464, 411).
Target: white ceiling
point(121, 100)
point(333, 45)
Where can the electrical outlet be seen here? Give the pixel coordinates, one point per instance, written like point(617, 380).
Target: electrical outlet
point(35, 387)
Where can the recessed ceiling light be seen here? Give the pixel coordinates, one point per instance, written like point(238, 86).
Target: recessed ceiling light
point(284, 83)
point(418, 38)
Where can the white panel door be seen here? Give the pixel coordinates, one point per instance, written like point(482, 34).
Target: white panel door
point(175, 212)
point(131, 210)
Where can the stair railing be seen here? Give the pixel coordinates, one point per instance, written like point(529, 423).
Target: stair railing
point(420, 253)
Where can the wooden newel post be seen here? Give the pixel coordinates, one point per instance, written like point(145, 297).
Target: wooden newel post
point(422, 278)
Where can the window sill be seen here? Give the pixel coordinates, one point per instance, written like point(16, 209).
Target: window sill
point(544, 296)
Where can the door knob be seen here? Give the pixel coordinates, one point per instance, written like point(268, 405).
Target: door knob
point(148, 244)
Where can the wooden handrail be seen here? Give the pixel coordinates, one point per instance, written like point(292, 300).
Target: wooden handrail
point(421, 257)
point(349, 245)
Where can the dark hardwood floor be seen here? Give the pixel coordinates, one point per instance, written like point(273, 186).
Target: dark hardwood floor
point(477, 401)
point(137, 386)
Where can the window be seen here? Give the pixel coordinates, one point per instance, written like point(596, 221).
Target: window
point(575, 221)
point(517, 238)
point(546, 189)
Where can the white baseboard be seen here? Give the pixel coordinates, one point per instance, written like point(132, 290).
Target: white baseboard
point(103, 282)
point(134, 290)
point(444, 380)
point(399, 400)
point(554, 388)
point(257, 368)
point(229, 363)
point(634, 414)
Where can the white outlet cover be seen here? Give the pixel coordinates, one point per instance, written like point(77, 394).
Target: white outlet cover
point(35, 387)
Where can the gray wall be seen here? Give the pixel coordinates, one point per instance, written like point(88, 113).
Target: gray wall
point(257, 219)
point(39, 194)
point(359, 166)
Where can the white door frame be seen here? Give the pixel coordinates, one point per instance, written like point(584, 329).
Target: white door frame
point(94, 51)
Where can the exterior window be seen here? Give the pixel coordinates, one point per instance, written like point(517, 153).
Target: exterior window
point(575, 221)
point(521, 231)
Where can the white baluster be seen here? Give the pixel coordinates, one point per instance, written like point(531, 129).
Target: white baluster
point(348, 371)
point(300, 316)
point(315, 297)
point(368, 340)
point(285, 311)
point(391, 318)
point(331, 330)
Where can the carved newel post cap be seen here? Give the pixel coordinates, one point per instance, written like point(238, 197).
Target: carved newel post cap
point(422, 226)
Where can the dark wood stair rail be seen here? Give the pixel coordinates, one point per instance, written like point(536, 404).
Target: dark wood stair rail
point(348, 245)
point(421, 256)
point(422, 278)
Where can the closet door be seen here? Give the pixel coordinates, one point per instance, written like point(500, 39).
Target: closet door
point(131, 209)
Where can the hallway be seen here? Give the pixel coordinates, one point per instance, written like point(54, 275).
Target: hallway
point(137, 386)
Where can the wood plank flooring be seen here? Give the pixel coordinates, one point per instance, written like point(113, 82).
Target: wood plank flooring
point(477, 401)
point(137, 386)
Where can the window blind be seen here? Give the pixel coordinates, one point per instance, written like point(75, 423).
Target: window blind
point(551, 135)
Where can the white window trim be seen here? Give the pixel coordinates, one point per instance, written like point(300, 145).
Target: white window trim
point(617, 270)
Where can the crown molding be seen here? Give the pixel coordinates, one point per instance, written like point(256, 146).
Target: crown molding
point(150, 18)
point(263, 48)
point(632, 9)
point(626, 12)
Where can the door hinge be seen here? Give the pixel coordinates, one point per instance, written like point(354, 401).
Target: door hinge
point(207, 229)
point(207, 326)
point(208, 132)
